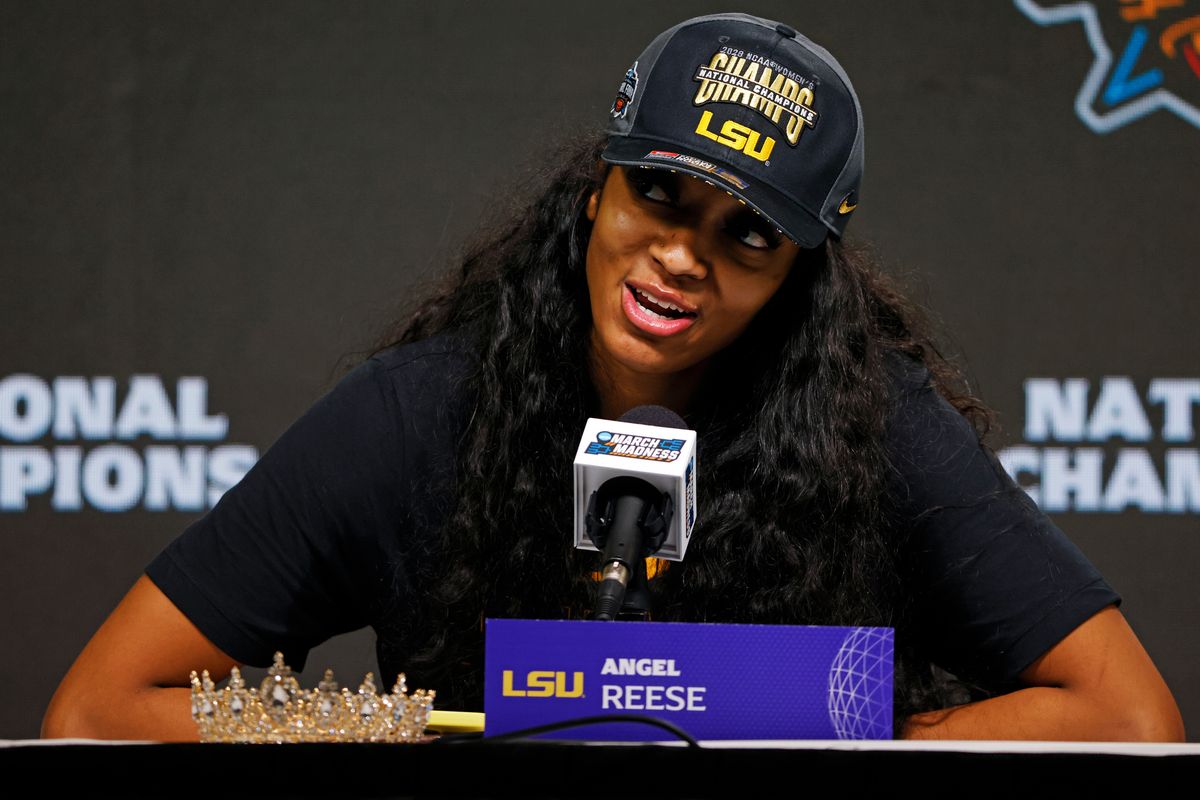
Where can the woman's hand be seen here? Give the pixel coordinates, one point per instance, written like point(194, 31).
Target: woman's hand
point(131, 680)
point(1097, 684)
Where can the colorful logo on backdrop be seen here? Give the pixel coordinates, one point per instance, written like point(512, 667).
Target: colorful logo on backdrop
point(1109, 446)
point(1146, 57)
point(75, 443)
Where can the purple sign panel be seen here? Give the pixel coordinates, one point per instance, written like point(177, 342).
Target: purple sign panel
point(714, 681)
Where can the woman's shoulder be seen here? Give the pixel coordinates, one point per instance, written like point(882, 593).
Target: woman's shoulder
point(427, 383)
point(427, 370)
point(906, 373)
point(933, 449)
point(452, 350)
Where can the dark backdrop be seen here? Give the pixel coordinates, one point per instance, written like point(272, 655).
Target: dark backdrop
point(221, 203)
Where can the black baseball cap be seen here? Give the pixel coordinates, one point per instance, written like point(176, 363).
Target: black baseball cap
point(752, 107)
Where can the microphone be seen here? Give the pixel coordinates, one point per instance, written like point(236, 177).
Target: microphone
point(635, 496)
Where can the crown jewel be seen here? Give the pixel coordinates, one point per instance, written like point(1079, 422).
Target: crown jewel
point(280, 711)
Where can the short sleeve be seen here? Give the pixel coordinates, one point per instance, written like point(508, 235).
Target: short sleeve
point(996, 583)
point(286, 558)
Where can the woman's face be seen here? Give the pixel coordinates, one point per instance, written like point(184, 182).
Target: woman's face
point(676, 269)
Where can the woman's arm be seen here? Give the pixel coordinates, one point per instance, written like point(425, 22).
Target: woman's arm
point(1097, 684)
point(131, 680)
point(294, 552)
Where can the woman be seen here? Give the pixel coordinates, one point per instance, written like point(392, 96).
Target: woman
point(692, 258)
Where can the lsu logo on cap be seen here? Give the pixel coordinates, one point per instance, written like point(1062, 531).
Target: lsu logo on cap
point(745, 78)
point(740, 137)
point(748, 79)
point(1147, 57)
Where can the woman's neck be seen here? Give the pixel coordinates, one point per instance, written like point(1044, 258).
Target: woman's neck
point(619, 388)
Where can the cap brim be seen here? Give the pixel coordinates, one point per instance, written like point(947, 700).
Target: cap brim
point(792, 219)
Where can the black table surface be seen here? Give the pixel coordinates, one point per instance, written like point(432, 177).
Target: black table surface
point(478, 768)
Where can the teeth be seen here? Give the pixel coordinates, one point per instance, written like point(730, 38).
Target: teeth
point(660, 302)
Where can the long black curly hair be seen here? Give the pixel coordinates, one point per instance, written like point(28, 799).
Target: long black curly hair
point(794, 520)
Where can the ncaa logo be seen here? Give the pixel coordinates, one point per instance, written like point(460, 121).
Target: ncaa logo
point(1146, 57)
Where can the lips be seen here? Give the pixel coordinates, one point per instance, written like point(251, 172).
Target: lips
point(654, 314)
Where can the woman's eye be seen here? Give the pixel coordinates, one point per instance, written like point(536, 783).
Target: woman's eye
point(754, 235)
point(652, 188)
point(755, 239)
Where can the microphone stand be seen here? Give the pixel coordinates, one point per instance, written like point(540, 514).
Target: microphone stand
point(636, 607)
point(627, 519)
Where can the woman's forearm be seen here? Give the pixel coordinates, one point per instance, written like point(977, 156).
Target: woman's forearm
point(1097, 684)
point(1048, 713)
point(155, 714)
point(131, 680)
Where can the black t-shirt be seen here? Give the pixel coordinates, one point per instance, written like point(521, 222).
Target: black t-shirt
point(330, 529)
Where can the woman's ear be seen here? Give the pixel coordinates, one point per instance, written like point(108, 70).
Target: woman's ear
point(593, 205)
point(593, 202)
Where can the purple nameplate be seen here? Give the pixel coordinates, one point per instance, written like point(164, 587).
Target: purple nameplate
point(714, 681)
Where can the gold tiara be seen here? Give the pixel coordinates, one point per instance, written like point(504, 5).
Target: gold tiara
point(280, 711)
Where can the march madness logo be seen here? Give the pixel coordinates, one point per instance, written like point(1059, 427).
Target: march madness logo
point(648, 448)
point(1147, 57)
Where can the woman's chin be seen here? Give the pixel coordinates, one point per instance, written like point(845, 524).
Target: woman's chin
point(651, 357)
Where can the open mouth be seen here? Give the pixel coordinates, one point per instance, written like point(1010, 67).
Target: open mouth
point(659, 308)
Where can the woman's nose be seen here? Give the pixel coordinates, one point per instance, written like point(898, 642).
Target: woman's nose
point(680, 253)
